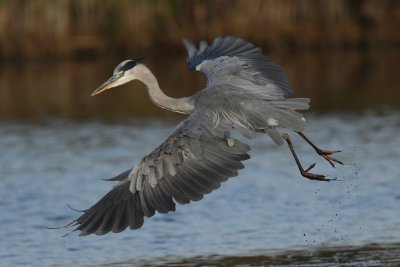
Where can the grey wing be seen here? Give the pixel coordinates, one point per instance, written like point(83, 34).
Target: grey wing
point(234, 60)
point(190, 163)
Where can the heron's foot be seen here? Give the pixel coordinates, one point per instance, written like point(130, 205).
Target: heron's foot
point(313, 176)
point(305, 173)
point(311, 167)
point(326, 154)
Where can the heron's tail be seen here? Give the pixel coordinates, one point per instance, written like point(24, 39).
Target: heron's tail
point(267, 115)
point(286, 115)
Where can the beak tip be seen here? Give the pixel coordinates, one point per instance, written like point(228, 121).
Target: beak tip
point(98, 91)
point(105, 86)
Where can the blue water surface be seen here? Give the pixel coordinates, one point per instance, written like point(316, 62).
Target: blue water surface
point(268, 207)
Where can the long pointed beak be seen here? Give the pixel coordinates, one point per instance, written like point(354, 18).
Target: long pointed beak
point(106, 85)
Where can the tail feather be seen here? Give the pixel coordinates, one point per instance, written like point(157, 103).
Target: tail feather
point(293, 103)
point(290, 119)
point(275, 136)
point(266, 115)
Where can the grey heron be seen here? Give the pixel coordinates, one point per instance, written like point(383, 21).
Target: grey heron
point(246, 92)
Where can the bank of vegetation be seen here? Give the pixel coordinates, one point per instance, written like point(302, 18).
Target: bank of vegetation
point(56, 29)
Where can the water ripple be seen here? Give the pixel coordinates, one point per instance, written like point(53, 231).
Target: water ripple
point(269, 207)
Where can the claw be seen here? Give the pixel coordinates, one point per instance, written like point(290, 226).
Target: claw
point(329, 152)
point(325, 154)
point(318, 177)
point(306, 173)
point(313, 176)
point(309, 168)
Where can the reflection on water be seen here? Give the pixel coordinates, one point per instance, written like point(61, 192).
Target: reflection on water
point(267, 214)
point(347, 79)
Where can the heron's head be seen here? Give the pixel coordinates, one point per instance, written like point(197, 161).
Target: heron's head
point(123, 73)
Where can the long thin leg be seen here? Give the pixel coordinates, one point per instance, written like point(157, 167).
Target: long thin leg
point(304, 173)
point(323, 153)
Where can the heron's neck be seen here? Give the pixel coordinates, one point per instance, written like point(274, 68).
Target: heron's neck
point(180, 105)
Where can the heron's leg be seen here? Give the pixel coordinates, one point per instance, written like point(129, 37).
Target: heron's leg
point(304, 173)
point(323, 153)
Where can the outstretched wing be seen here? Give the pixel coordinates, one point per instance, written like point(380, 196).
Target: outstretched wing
point(234, 60)
point(190, 163)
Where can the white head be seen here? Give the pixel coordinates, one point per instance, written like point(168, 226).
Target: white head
point(123, 73)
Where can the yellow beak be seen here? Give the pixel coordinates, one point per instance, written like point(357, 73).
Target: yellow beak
point(106, 85)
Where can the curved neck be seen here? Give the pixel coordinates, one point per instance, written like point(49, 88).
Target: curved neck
point(181, 105)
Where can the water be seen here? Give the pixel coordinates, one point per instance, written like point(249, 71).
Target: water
point(268, 215)
point(350, 80)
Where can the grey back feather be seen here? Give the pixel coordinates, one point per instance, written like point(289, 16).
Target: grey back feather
point(234, 60)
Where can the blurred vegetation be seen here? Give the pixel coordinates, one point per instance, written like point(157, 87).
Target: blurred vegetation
point(54, 29)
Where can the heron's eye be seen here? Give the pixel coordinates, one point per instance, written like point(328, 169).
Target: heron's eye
point(128, 65)
point(125, 66)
